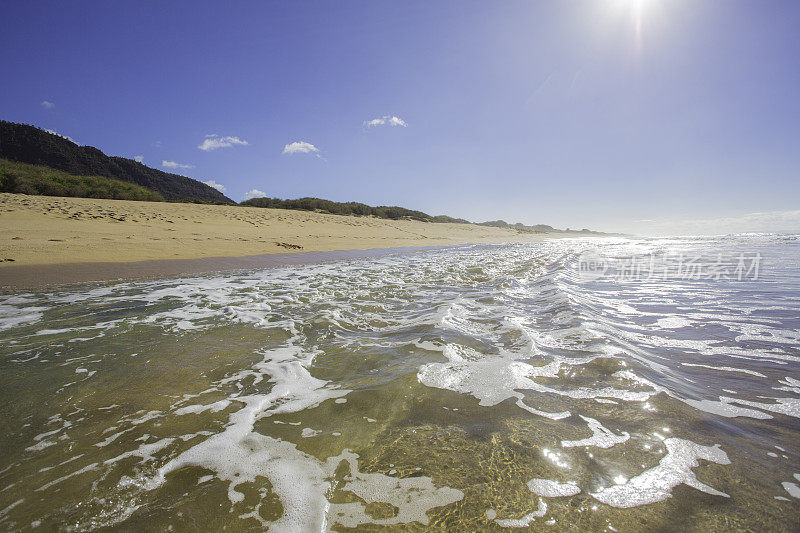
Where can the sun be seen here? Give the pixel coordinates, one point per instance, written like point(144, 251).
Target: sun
point(637, 11)
point(635, 7)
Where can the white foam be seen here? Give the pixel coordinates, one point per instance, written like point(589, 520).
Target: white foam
point(724, 408)
point(87, 468)
point(727, 369)
point(601, 436)
point(146, 417)
point(309, 432)
point(5, 511)
point(491, 379)
point(144, 451)
point(656, 484)
point(239, 455)
point(553, 489)
point(792, 489)
point(526, 520)
point(673, 322)
point(575, 327)
point(789, 384)
point(413, 497)
point(17, 316)
point(786, 406)
point(196, 409)
point(111, 438)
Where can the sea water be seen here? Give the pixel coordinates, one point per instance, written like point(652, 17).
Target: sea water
point(581, 384)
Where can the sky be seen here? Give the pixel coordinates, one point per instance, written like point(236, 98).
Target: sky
point(643, 116)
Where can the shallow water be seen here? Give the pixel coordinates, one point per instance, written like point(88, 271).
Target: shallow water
point(476, 388)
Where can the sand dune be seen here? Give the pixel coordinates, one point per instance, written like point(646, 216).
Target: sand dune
point(40, 230)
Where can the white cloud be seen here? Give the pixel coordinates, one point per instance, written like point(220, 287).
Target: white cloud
point(255, 193)
point(138, 158)
point(48, 105)
point(157, 144)
point(173, 164)
point(388, 120)
point(213, 142)
point(211, 183)
point(70, 139)
point(300, 147)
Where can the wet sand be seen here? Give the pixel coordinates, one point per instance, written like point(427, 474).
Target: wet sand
point(52, 240)
point(29, 276)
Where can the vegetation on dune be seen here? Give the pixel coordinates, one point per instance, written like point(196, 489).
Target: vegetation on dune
point(28, 144)
point(22, 178)
point(451, 220)
point(348, 208)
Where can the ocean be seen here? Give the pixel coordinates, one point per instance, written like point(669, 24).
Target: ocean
point(574, 384)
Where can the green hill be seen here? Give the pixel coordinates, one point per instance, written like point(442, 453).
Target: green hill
point(349, 208)
point(22, 178)
point(28, 144)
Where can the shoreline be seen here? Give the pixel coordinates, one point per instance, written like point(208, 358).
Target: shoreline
point(55, 230)
point(49, 240)
point(18, 277)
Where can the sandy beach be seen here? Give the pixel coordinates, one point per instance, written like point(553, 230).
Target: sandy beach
point(42, 230)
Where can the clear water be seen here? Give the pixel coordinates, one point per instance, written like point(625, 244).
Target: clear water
point(471, 389)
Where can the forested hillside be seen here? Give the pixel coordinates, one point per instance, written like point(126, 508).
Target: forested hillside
point(32, 145)
point(349, 208)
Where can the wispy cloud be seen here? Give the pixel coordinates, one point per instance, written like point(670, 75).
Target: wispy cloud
point(70, 139)
point(548, 81)
point(138, 158)
point(173, 164)
point(157, 144)
point(47, 104)
point(254, 193)
point(214, 142)
point(300, 147)
point(220, 187)
point(386, 120)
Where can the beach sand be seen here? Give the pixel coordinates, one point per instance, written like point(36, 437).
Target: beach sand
point(45, 230)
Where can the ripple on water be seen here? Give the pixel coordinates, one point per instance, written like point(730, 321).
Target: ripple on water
point(423, 389)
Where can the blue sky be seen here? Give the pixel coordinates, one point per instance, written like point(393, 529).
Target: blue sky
point(607, 114)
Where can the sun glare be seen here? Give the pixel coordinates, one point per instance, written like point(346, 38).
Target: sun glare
point(636, 9)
